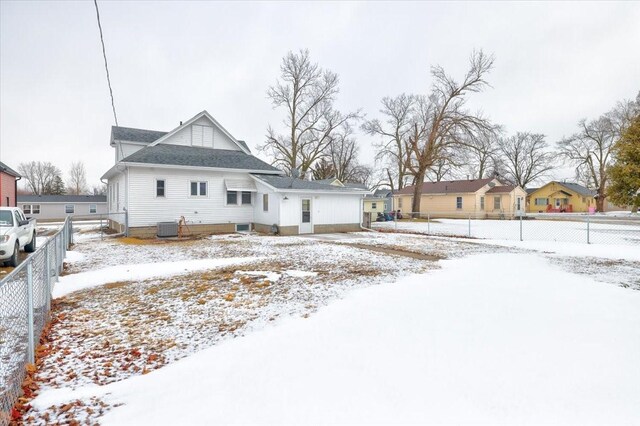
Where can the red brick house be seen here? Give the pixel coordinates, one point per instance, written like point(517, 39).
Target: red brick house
point(8, 185)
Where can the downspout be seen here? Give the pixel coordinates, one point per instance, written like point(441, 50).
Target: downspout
point(15, 194)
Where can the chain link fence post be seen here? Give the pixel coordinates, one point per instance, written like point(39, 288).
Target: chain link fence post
point(428, 223)
point(520, 227)
point(469, 225)
point(30, 330)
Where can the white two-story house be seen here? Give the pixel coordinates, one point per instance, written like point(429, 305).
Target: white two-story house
point(200, 172)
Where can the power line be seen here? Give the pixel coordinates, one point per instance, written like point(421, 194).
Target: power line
point(106, 67)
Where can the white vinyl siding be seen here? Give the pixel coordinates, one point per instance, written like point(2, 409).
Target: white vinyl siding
point(219, 140)
point(145, 209)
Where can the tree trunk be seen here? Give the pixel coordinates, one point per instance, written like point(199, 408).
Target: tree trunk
point(417, 194)
point(600, 203)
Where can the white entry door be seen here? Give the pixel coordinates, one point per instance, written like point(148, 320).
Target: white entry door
point(306, 226)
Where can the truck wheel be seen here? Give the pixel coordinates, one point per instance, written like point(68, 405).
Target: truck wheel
point(13, 260)
point(31, 247)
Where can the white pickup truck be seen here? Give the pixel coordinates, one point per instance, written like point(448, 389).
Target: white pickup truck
point(16, 232)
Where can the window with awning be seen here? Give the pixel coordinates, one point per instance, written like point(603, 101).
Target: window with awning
point(238, 185)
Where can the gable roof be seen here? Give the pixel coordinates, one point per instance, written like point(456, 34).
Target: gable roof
point(129, 134)
point(242, 146)
point(575, 187)
point(8, 170)
point(286, 183)
point(384, 192)
point(193, 156)
point(501, 189)
point(448, 186)
point(62, 199)
point(531, 190)
point(331, 181)
point(357, 185)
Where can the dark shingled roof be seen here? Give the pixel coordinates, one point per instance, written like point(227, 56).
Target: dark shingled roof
point(286, 182)
point(448, 187)
point(8, 170)
point(179, 155)
point(582, 190)
point(355, 185)
point(530, 190)
point(62, 198)
point(501, 189)
point(135, 135)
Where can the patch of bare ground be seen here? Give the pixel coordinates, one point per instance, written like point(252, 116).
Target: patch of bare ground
point(623, 273)
point(397, 251)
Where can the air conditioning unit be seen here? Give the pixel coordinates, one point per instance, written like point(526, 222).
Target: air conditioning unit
point(167, 229)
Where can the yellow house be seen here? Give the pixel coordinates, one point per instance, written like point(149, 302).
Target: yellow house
point(560, 197)
point(479, 198)
point(378, 202)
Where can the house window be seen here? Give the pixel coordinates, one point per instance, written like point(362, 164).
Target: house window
point(306, 211)
point(541, 201)
point(374, 205)
point(198, 189)
point(69, 209)
point(35, 209)
point(265, 202)
point(399, 202)
point(458, 202)
point(481, 203)
point(496, 203)
point(160, 188)
point(26, 209)
point(93, 208)
point(243, 227)
point(232, 197)
point(246, 198)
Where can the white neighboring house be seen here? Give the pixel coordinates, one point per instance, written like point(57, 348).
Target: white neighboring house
point(200, 172)
point(58, 207)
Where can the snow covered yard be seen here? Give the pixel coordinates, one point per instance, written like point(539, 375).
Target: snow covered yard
point(314, 350)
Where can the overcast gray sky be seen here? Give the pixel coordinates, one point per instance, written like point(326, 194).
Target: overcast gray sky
point(555, 63)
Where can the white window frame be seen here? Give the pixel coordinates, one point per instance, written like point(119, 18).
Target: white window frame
point(93, 208)
point(248, 225)
point(241, 200)
point(374, 205)
point(481, 203)
point(226, 198)
point(66, 209)
point(265, 202)
point(458, 203)
point(35, 207)
point(26, 208)
point(536, 203)
point(164, 188)
point(497, 198)
point(198, 189)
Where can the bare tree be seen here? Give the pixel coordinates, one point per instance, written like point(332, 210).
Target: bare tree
point(99, 189)
point(39, 175)
point(77, 183)
point(480, 153)
point(394, 131)
point(525, 157)
point(590, 150)
point(307, 93)
point(442, 121)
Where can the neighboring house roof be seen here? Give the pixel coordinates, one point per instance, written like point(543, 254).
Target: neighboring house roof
point(135, 135)
point(531, 190)
point(62, 198)
point(501, 189)
point(382, 192)
point(179, 155)
point(575, 187)
point(447, 187)
point(8, 170)
point(355, 185)
point(331, 181)
point(288, 183)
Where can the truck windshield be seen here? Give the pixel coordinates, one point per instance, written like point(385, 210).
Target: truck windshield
point(6, 218)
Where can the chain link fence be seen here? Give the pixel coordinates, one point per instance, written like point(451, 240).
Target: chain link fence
point(25, 303)
point(563, 227)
